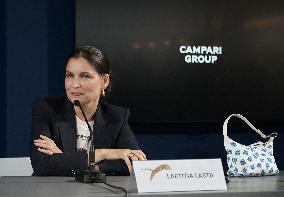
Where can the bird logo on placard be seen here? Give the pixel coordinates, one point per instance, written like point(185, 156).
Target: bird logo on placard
point(158, 169)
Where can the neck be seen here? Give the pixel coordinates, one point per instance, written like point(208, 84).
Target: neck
point(89, 109)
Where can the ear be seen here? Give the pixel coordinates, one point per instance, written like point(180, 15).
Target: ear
point(105, 81)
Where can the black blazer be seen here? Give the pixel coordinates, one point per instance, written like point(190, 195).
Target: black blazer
point(54, 117)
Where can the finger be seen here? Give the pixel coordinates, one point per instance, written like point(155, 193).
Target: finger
point(134, 158)
point(131, 154)
point(40, 145)
point(57, 150)
point(43, 137)
point(143, 154)
point(48, 152)
point(128, 163)
point(48, 144)
point(41, 141)
point(45, 146)
point(48, 141)
point(46, 138)
point(52, 142)
point(139, 155)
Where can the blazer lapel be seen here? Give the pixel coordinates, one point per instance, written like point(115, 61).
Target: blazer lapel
point(68, 130)
point(99, 127)
point(67, 127)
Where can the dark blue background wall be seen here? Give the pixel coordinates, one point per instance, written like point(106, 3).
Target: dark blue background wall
point(35, 39)
point(39, 36)
point(3, 79)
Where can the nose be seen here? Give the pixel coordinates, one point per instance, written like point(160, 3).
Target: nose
point(76, 83)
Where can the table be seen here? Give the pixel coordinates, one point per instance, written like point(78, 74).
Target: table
point(66, 186)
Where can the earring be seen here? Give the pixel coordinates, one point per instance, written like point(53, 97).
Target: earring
point(103, 93)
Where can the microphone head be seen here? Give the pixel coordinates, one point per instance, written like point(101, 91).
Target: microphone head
point(76, 103)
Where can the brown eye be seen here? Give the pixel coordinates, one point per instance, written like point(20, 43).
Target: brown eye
point(86, 76)
point(68, 75)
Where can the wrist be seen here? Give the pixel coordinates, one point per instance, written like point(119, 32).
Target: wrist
point(101, 155)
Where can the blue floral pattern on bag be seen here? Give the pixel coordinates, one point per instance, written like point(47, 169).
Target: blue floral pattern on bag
point(252, 160)
point(243, 162)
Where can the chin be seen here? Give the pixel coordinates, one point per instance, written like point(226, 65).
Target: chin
point(72, 99)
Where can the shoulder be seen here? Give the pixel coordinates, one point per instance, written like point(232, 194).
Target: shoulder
point(109, 108)
point(114, 112)
point(53, 101)
point(49, 103)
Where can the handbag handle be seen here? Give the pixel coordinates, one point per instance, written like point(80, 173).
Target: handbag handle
point(225, 127)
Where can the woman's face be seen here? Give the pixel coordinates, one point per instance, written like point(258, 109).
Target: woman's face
point(82, 81)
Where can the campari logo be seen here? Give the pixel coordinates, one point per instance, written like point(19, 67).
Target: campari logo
point(201, 54)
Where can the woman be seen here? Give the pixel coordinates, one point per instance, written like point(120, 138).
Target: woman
point(60, 138)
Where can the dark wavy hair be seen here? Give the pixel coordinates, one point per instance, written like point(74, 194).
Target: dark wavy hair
point(97, 59)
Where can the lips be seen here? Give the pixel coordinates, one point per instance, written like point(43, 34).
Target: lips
point(76, 94)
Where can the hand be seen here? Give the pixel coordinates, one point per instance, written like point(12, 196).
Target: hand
point(46, 145)
point(125, 154)
point(137, 155)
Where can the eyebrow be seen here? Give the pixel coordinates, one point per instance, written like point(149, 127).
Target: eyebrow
point(80, 72)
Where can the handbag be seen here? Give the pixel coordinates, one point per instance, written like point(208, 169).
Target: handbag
point(253, 160)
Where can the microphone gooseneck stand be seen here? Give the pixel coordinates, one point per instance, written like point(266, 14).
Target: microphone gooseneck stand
point(90, 175)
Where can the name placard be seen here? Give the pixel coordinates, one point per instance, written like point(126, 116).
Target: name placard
point(179, 175)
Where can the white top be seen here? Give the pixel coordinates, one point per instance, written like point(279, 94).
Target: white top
point(83, 134)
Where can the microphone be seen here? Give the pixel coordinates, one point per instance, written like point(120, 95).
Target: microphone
point(90, 175)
